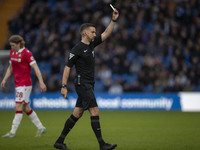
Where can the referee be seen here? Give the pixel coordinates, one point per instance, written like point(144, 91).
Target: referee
point(82, 56)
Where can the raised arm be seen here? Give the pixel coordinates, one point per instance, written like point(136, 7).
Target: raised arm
point(7, 75)
point(110, 27)
point(64, 81)
point(39, 76)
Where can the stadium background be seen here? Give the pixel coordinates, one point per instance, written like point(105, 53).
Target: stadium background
point(155, 46)
point(151, 62)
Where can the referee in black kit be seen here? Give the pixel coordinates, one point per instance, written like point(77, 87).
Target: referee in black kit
point(82, 56)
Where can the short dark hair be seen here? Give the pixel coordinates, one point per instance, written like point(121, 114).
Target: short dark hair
point(85, 26)
point(17, 39)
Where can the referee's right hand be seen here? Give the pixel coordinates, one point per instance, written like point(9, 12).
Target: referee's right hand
point(64, 92)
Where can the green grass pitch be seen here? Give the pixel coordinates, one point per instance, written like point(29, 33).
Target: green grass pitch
point(131, 130)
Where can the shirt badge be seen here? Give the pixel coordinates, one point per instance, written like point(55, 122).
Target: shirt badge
point(71, 55)
point(32, 58)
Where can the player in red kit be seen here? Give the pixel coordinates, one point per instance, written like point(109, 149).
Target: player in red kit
point(21, 60)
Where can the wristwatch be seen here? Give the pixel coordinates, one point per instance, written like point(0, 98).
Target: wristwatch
point(64, 86)
point(114, 20)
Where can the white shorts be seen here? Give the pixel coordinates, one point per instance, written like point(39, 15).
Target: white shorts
point(23, 94)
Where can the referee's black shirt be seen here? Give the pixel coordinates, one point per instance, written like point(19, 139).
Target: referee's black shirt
point(82, 56)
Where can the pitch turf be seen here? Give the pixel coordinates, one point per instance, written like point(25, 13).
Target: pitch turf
point(131, 130)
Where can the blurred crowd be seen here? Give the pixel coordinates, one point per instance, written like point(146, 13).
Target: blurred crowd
point(155, 46)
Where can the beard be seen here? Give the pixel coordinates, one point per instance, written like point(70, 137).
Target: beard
point(89, 39)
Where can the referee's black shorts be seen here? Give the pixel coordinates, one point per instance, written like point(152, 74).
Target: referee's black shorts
point(86, 98)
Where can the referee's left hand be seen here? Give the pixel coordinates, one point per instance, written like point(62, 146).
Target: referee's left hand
point(64, 92)
point(115, 15)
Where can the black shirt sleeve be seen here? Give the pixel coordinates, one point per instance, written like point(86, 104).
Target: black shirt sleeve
point(97, 41)
point(73, 56)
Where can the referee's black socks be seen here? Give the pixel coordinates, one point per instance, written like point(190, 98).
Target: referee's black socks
point(97, 129)
point(71, 121)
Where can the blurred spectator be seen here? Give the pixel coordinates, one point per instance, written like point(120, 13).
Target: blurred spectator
point(53, 84)
point(135, 66)
point(157, 43)
point(104, 73)
point(116, 87)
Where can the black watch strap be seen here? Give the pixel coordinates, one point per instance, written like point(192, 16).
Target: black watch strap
point(64, 86)
point(114, 20)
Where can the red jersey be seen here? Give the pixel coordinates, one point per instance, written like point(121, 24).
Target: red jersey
point(21, 64)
